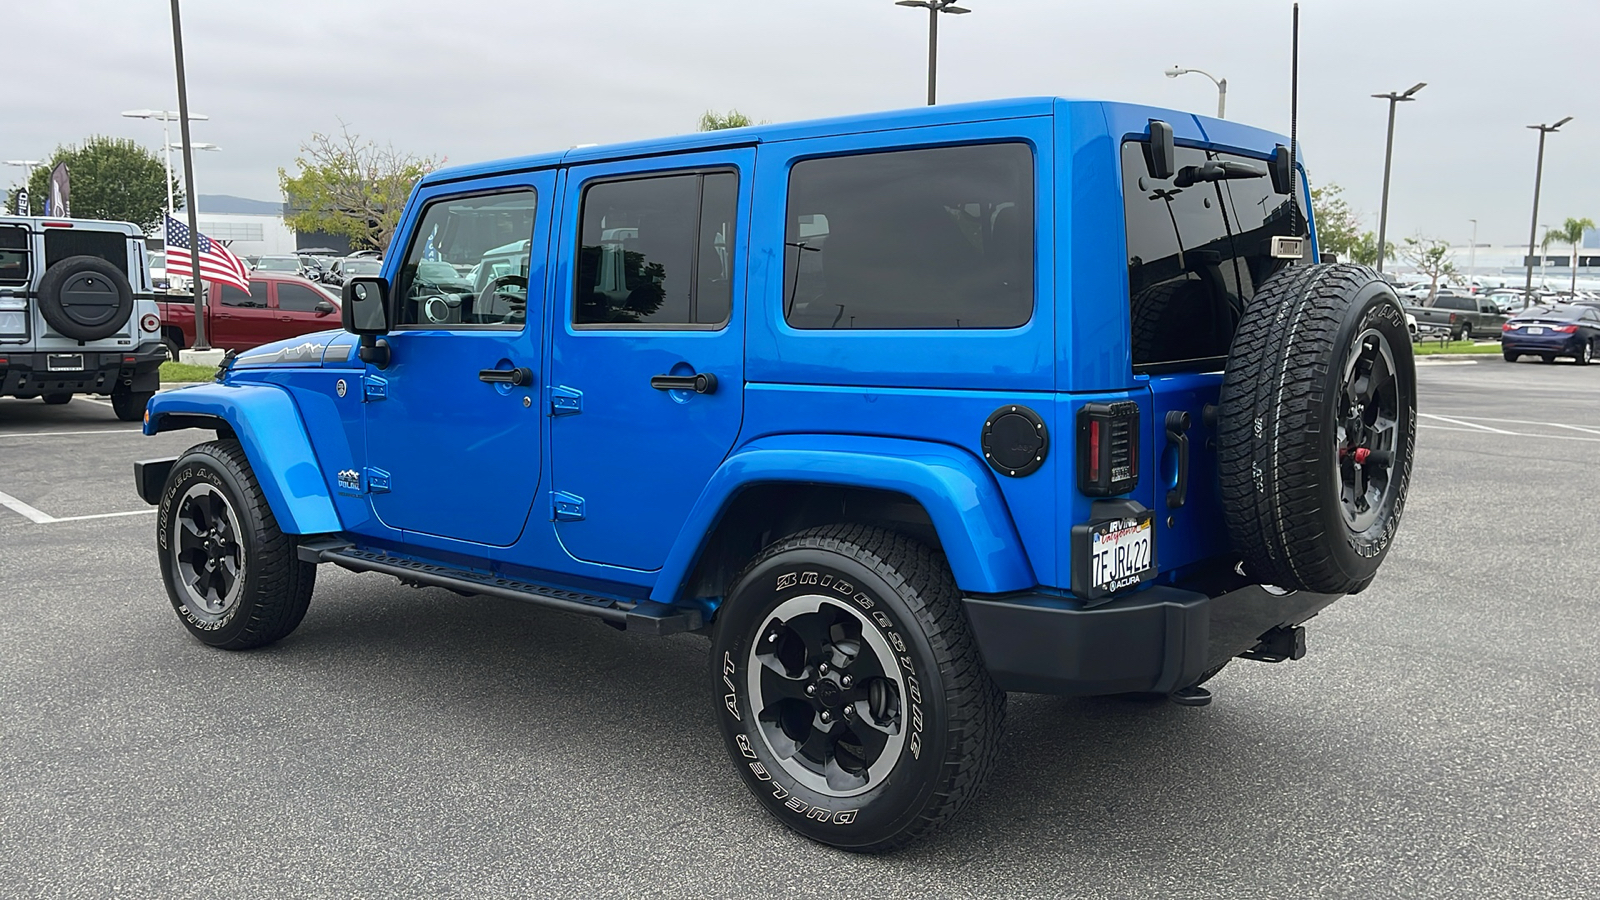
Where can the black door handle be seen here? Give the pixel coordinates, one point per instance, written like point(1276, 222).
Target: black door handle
point(521, 376)
point(1177, 434)
point(700, 383)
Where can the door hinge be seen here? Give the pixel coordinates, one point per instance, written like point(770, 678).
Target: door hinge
point(374, 387)
point(566, 507)
point(565, 401)
point(377, 480)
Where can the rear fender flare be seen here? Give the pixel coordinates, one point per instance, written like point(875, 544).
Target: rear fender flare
point(958, 492)
point(275, 442)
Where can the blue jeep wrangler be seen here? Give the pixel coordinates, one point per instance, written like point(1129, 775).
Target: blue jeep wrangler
point(903, 411)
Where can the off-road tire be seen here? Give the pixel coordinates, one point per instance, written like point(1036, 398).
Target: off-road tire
point(56, 399)
point(129, 405)
point(275, 586)
point(1278, 427)
point(952, 711)
point(101, 288)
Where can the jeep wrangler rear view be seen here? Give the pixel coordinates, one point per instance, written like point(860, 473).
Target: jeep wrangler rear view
point(902, 411)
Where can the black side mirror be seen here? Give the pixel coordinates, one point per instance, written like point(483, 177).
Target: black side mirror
point(325, 308)
point(1282, 175)
point(365, 311)
point(1160, 153)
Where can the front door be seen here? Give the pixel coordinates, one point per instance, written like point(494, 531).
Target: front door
point(302, 309)
point(453, 422)
point(647, 353)
point(237, 320)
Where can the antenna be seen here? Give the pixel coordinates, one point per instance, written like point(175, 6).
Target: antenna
point(1294, 116)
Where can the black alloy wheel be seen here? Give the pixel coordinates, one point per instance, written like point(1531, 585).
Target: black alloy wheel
point(208, 553)
point(1368, 428)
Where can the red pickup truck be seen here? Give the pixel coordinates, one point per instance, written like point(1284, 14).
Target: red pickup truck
point(278, 306)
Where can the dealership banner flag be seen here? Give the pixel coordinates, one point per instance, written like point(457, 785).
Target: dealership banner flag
point(59, 201)
point(22, 202)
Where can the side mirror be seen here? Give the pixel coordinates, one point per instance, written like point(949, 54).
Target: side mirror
point(365, 311)
point(325, 308)
point(1160, 153)
point(1282, 175)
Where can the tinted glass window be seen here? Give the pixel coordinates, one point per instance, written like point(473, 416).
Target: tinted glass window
point(1453, 303)
point(1196, 255)
point(13, 255)
point(60, 243)
point(278, 264)
point(232, 296)
point(298, 297)
point(937, 238)
point(468, 263)
point(657, 251)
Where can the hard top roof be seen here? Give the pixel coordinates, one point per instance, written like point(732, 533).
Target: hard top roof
point(39, 223)
point(1119, 118)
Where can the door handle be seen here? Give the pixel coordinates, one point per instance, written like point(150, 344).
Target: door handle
point(521, 376)
point(700, 383)
point(1177, 435)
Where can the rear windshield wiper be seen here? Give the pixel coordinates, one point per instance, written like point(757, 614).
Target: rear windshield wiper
point(1217, 170)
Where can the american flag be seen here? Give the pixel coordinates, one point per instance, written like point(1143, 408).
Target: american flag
point(216, 263)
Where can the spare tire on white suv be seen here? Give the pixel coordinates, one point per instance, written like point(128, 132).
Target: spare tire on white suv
point(85, 298)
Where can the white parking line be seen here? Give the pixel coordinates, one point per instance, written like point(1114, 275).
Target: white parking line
point(1465, 423)
point(7, 434)
point(1548, 437)
point(39, 517)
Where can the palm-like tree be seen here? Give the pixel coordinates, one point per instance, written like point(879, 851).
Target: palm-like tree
point(1570, 232)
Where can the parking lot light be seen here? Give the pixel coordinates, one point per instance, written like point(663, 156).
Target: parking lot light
point(934, 8)
point(1221, 83)
point(1388, 156)
point(1533, 229)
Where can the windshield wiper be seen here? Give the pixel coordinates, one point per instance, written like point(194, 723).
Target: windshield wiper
point(1217, 170)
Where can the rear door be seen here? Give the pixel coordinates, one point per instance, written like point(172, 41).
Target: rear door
point(1195, 257)
point(652, 262)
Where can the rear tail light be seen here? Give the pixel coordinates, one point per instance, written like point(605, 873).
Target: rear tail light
point(150, 322)
point(1509, 327)
point(1108, 448)
point(1566, 329)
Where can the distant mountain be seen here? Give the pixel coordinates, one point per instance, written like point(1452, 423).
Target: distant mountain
point(225, 204)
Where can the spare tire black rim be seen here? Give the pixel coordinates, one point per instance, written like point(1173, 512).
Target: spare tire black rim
point(827, 695)
point(208, 553)
point(89, 299)
point(1368, 430)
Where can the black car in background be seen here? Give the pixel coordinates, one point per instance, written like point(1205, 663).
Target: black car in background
point(1547, 332)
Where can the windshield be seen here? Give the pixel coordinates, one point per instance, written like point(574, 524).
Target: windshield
point(278, 264)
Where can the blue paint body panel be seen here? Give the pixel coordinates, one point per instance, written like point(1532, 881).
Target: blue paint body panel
point(474, 472)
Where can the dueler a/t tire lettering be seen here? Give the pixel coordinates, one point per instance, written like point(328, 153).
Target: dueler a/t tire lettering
point(1320, 393)
point(213, 516)
point(864, 593)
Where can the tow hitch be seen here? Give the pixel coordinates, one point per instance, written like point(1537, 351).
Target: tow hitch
point(1278, 645)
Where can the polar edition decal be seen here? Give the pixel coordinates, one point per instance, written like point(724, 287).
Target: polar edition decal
point(308, 353)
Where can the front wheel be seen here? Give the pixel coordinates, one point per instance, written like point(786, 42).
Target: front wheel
point(232, 576)
point(1585, 354)
point(853, 700)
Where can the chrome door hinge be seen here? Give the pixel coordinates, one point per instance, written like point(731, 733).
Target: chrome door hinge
point(565, 401)
point(565, 507)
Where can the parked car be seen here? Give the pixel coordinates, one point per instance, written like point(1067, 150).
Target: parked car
point(76, 314)
point(356, 266)
point(276, 307)
point(849, 398)
point(1548, 332)
point(1463, 316)
point(285, 265)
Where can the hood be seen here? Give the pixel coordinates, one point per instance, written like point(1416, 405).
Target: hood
point(333, 348)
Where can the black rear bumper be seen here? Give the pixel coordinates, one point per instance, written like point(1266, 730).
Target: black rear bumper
point(30, 373)
point(1158, 640)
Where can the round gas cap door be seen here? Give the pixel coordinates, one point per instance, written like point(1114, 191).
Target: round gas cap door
point(1015, 441)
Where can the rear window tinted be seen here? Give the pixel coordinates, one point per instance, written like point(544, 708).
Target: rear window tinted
point(60, 243)
point(1195, 256)
point(13, 255)
point(934, 238)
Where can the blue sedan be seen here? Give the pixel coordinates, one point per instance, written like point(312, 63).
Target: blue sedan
point(1551, 331)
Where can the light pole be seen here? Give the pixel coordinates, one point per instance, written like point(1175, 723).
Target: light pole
point(1472, 259)
point(1221, 83)
point(1533, 229)
point(934, 7)
point(1388, 156)
point(166, 117)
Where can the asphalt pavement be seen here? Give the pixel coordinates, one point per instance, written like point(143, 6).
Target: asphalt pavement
point(1441, 739)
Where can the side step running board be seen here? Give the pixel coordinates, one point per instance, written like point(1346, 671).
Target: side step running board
point(643, 615)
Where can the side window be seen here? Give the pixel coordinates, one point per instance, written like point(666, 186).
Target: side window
point(13, 255)
point(232, 296)
point(931, 238)
point(657, 251)
point(298, 297)
point(468, 263)
point(1195, 256)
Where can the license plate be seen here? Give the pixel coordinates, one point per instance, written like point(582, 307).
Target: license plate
point(64, 362)
point(1113, 553)
point(1534, 329)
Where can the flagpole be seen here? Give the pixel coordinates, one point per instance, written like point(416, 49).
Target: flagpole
point(198, 284)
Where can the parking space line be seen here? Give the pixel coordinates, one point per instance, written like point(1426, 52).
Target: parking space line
point(1547, 437)
point(1465, 423)
point(8, 434)
point(1586, 429)
point(39, 517)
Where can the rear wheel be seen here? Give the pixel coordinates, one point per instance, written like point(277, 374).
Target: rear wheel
point(854, 703)
point(129, 405)
point(1585, 354)
point(1548, 357)
point(172, 348)
point(1512, 357)
point(57, 399)
point(232, 576)
point(1466, 331)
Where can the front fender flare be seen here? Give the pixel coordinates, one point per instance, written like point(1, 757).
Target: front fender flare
point(959, 493)
point(274, 439)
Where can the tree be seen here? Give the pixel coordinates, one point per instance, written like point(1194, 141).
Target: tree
point(1570, 232)
point(1338, 230)
point(111, 178)
point(712, 120)
point(1365, 250)
point(1431, 257)
point(351, 187)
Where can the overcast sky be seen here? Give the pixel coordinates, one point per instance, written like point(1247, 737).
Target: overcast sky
point(480, 79)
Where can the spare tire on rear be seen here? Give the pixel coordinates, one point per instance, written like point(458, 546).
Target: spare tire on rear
point(85, 298)
point(1316, 428)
